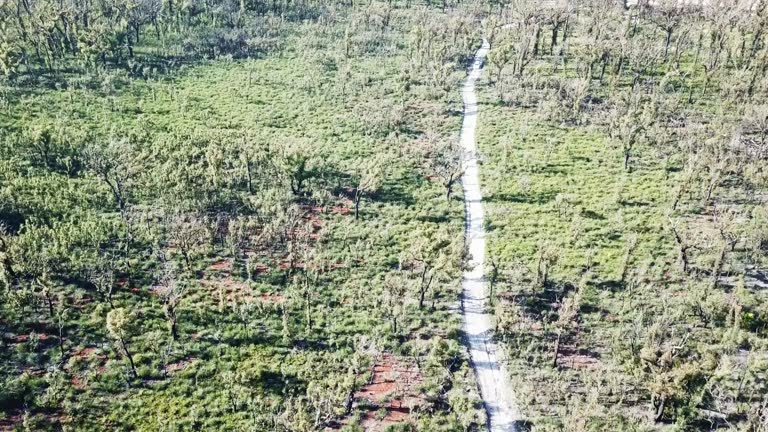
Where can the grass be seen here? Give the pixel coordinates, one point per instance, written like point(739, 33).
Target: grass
point(574, 194)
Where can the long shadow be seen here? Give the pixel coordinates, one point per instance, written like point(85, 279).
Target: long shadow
point(522, 425)
point(610, 285)
point(634, 203)
point(590, 214)
point(396, 192)
point(276, 383)
point(38, 79)
point(542, 301)
point(552, 169)
point(539, 198)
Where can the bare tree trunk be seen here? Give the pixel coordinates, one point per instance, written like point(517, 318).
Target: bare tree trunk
point(682, 250)
point(425, 283)
point(627, 155)
point(61, 338)
point(660, 408)
point(358, 198)
point(553, 40)
point(249, 171)
point(718, 267)
point(667, 41)
point(130, 357)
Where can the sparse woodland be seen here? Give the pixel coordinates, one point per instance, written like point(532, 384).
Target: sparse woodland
point(241, 215)
point(625, 174)
point(220, 215)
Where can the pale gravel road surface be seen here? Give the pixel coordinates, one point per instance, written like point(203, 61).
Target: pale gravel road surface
point(492, 377)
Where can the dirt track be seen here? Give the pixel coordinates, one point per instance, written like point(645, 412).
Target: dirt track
point(492, 377)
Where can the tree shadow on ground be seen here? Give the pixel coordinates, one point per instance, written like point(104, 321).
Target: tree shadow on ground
point(537, 198)
point(522, 425)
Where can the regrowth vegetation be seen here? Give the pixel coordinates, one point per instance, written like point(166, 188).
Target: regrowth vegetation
point(213, 216)
point(625, 174)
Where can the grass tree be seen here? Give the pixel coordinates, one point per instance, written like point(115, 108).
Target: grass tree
point(668, 16)
point(171, 291)
point(672, 373)
point(629, 121)
point(501, 56)
point(630, 247)
point(682, 243)
point(102, 276)
point(719, 160)
point(314, 266)
point(7, 273)
point(727, 224)
point(547, 256)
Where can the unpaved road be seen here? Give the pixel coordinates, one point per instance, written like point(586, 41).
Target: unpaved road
point(491, 374)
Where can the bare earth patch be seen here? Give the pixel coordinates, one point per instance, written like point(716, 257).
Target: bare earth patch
point(179, 365)
point(392, 393)
point(571, 357)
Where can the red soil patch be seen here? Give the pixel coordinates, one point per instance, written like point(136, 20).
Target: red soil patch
point(316, 209)
point(15, 420)
point(342, 210)
point(85, 353)
point(179, 365)
point(25, 337)
point(224, 265)
point(80, 303)
point(259, 268)
point(314, 221)
point(11, 421)
point(393, 387)
point(78, 383)
point(158, 290)
point(233, 290)
point(285, 264)
point(221, 278)
point(271, 298)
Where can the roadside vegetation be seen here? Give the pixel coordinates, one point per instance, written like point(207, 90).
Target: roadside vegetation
point(232, 216)
point(624, 174)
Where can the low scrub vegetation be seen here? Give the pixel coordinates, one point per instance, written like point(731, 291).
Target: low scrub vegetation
point(213, 215)
point(624, 175)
